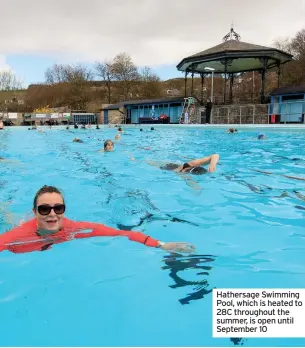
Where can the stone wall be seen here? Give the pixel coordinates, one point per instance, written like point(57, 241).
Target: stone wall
point(240, 114)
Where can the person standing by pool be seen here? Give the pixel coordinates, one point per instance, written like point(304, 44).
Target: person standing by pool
point(1, 125)
point(208, 110)
point(50, 227)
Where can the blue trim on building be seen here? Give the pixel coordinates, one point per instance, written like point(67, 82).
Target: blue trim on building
point(288, 107)
point(146, 112)
point(105, 116)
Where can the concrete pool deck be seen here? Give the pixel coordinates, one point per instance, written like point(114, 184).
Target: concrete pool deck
point(265, 127)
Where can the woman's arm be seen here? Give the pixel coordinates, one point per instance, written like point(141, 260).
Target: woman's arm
point(212, 160)
point(98, 230)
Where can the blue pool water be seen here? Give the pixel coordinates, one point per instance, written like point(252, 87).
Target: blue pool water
point(248, 229)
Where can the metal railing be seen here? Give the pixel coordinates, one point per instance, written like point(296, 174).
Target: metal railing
point(292, 112)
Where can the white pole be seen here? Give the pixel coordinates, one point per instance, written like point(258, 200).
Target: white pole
point(212, 87)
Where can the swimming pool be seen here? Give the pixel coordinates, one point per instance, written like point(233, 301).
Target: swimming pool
point(248, 228)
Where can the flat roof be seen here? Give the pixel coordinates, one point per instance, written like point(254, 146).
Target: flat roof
point(144, 101)
point(289, 90)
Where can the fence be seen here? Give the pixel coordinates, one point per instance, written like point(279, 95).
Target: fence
point(259, 113)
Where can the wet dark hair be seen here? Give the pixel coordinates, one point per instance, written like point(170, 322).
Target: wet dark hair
point(170, 166)
point(120, 129)
point(186, 165)
point(141, 130)
point(198, 171)
point(46, 189)
point(108, 141)
point(194, 170)
point(152, 128)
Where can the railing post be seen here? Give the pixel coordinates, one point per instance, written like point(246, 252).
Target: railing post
point(253, 112)
point(239, 114)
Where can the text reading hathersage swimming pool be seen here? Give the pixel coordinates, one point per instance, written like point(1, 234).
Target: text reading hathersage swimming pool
point(258, 312)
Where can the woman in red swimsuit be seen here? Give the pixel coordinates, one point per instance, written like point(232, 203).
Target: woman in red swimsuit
point(51, 227)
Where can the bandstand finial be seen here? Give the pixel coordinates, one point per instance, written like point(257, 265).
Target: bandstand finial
point(232, 35)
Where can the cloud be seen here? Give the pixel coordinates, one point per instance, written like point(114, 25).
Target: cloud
point(153, 32)
point(3, 64)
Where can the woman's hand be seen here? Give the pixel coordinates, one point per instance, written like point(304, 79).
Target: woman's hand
point(178, 247)
point(213, 162)
point(212, 168)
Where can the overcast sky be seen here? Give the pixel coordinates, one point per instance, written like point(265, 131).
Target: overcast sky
point(153, 32)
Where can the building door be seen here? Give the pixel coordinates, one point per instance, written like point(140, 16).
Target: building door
point(105, 116)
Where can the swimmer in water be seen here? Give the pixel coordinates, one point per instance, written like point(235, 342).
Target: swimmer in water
point(232, 130)
point(261, 136)
point(77, 140)
point(108, 146)
point(191, 167)
point(117, 137)
point(50, 227)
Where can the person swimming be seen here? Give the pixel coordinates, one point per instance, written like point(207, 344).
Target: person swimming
point(77, 140)
point(185, 168)
point(261, 136)
point(108, 145)
point(50, 227)
point(232, 130)
point(191, 167)
point(117, 137)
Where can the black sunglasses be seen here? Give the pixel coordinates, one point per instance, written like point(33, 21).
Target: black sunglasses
point(45, 209)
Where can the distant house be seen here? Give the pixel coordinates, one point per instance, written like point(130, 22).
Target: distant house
point(9, 98)
point(162, 110)
point(287, 104)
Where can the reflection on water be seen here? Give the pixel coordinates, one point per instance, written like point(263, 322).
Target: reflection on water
point(178, 263)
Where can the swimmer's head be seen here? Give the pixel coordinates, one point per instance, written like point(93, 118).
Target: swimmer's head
point(117, 137)
point(170, 166)
point(141, 130)
point(193, 170)
point(49, 208)
point(261, 136)
point(77, 140)
point(152, 128)
point(198, 171)
point(120, 129)
point(108, 145)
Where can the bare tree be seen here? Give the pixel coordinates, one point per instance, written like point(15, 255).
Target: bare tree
point(73, 74)
point(150, 84)
point(105, 71)
point(125, 71)
point(293, 73)
point(74, 80)
point(9, 81)
point(298, 45)
point(283, 44)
